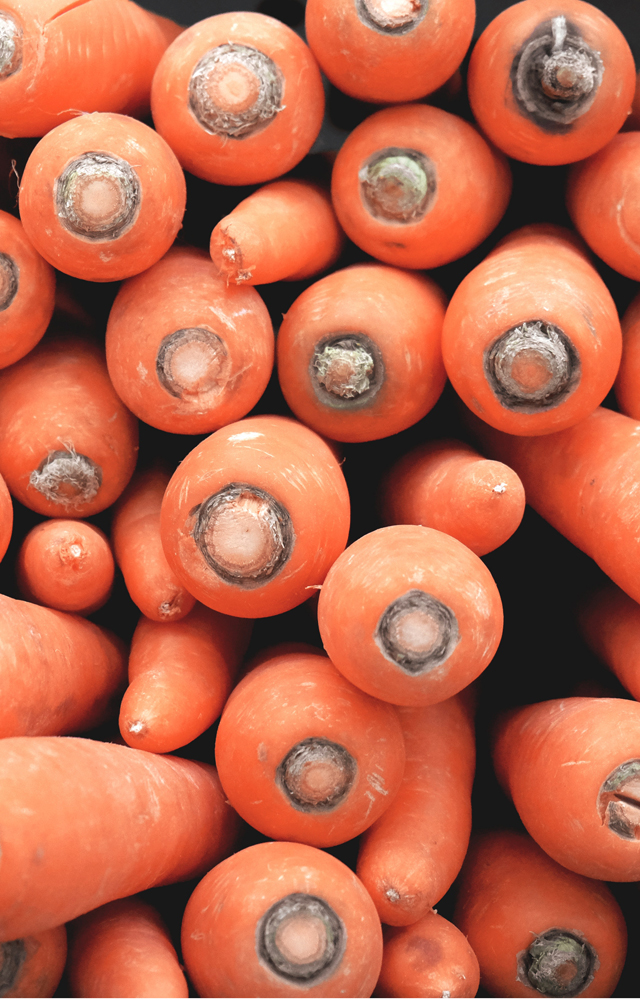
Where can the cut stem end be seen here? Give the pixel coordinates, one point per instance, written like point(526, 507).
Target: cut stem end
point(67, 478)
point(558, 964)
point(316, 775)
point(98, 196)
point(10, 45)
point(393, 17)
point(9, 280)
point(12, 957)
point(192, 363)
point(417, 632)
point(619, 801)
point(235, 91)
point(301, 938)
point(532, 367)
point(398, 185)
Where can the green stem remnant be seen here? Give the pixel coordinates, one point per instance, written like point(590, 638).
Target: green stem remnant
point(98, 196)
point(417, 632)
point(532, 367)
point(192, 363)
point(10, 45)
point(316, 775)
point(235, 90)
point(301, 938)
point(619, 801)
point(398, 185)
point(9, 280)
point(559, 963)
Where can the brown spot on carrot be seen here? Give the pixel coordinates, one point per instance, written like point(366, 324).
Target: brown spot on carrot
point(619, 801)
point(9, 280)
point(417, 632)
point(235, 91)
point(97, 196)
point(301, 939)
point(427, 951)
point(316, 775)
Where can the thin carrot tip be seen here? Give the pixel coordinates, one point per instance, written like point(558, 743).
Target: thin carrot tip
point(10, 45)
point(557, 964)
point(13, 955)
point(98, 196)
point(398, 185)
point(301, 938)
point(235, 90)
point(393, 17)
point(67, 478)
point(532, 367)
point(191, 362)
point(316, 775)
point(417, 632)
point(9, 280)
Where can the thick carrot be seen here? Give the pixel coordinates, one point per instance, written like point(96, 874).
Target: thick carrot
point(66, 565)
point(571, 767)
point(535, 353)
point(418, 187)
point(449, 486)
point(410, 856)
point(27, 292)
point(254, 517)
point(359, 355)
point(102, 197)
point(627, 384)
point(284, 231)
point(551, 84)
point(180, 676)
point(32, 966)
point(281, 920)
point(187, 352)
point(123, 949)
point(68, 446)
point(390, 51)
point(410, 615)
point(239, 98)
point(85, 822)
point(536, 928)
point(6, 517)
point(610, 622)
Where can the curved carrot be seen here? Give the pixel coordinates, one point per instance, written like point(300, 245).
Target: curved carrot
point(187, 352)
point(303, 755)
point(180, 676)
point(85, 822)
point(286, 230)
point(123, 949)
point(359, 355)
point(627, 384)
point(67, 565)
point(254, 517)
point(431, 958)
point(6, 517)
point(68, 446)
point(535, 353)
point(449, 486)
point(27, 292)
point(418, 187)
point(239, 98)
point(551, 84)
point(410, 856)
point(536, 928)
point(32, 966)
point(410, 615)
point(281, 920)
point(389, 52)
point(102, 197)
point(610, 623)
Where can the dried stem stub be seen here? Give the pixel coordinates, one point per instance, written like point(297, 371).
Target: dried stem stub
point(235, 91)
point(619, 801)
point(192, 363)
point(12, 958)
point(316, 775)
point(559, 963)
point(98, 196)
point(391, 17)
point(9, 280)
point(398, 185)
point(532, 367)
point(67, 478)
point(10, 45)
point(301, 938)
point(346, 370)
point(417, 632)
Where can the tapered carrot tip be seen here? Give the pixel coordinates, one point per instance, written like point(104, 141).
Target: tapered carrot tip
point(557, 963)
point(619, 801)
point(227, 251)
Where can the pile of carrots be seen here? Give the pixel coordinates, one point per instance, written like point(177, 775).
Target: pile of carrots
point(319, 499)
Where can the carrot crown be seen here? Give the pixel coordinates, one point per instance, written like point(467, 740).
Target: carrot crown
point(10, 45)
point(301, 938)
point(235, 90)
point(9, 279)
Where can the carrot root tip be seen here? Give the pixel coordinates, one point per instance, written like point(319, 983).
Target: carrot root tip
point(192, 362)
point(346, 368)
point(558, 963)
point(417, 632)
point(98, 196)
point(67, 478)
point(619, 801)
point(316, 775)
point(12, 958)
point(398, 185)
point(235, 90)
point(532, 367)
point(392, 17)
point(10, 45)
point(301, 938)
point(9, 280)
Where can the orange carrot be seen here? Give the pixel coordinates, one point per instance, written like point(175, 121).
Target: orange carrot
point(610, 623)
point(418, 187)
point(123, 949)
point(102, 197)
point(304, 755)
point(239, 98)
point(180, 676)
point(6, 517)
point(186, 352)
point(281, 920)
point(410, 615)
point(447, 485)
point(390, 51)
point(254, 517)
point(551, 84)
point(85, 822)
point(359, 354)
point(67, 444)
point(536, 353)
point(284, 231)
point(33, 966)
point(627, 384)
point(67, 565)
point(27, 290)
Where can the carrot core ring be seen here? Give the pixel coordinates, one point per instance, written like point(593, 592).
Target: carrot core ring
point(67, 478)
point(345, 368)
point(301, 938)
point(98, 196)
point(557, 964)
point(10, 45)
point(235, 90)
point(531, 367)
point(244, 534)
point(9, 279)
point(417, 632)
point(398, 185)
point(316, 775)
point(619, 801)
point(191, 362)
point(12, 956)
point(393, 17)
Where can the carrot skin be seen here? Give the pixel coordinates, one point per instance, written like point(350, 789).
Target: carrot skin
point(6, 517)
point(610, 623)
point(429, 958)
point(41, 959)
point(627, 385)
point(27, 292)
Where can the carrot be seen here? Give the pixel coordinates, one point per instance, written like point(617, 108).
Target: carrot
point(627, 384)
point(389, 52)
point(59, 674)
point(102, 197)
point(571, 768)
point(254, 517)
point(431, 958)
point(6, 517)
point(286, 230)
point(449, 486)
point(410, 856)
point(27, 290)
point(610, 623)
point(535, 354)
point(239, 98)
point(410, 615)
point(61, 59)
point(67, 565)
point(85, 822)
point(123, 949)
point(551, 84)
point(359, 354)
point(180, 676)
point(135, 534)
point(33, 966)
point(418, 187)
point(536, 928)
point(67, 444)
point(186, 352)
point(281, 920)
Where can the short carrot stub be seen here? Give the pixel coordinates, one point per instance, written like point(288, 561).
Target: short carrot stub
point(430, 958)
point(27, 292)
point(32, 966)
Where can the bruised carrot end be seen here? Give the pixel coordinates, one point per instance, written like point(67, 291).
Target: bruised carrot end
point(429, 958)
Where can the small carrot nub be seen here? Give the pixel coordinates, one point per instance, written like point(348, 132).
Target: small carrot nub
point(316, 775)
point(66, 477)
point(301, 938)
point(398, 185)
point(98, 196)
point(10, 45)
point(619, 801)
point(235, 90)
point(192, 361)
point(417, 632)
point(9, 276)
point(557, 964)
point(533, 366)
